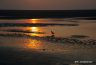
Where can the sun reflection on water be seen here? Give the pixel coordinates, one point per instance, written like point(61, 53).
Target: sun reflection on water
point(34, 44)
point(33, 20)
point(35, 29)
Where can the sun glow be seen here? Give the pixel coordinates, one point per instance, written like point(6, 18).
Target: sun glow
point(34, 29)
point(34, 20)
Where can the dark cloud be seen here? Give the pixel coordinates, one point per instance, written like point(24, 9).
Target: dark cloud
point(47, 4)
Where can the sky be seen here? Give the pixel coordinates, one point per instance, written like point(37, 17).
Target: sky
point(47, 4)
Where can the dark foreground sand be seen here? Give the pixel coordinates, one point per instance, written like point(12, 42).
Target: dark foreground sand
point(16, 56)
point(13, 56)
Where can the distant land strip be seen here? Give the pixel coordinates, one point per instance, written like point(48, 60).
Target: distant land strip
point(13, 14)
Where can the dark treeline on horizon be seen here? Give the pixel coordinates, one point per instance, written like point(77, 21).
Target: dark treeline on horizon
point(46, 13)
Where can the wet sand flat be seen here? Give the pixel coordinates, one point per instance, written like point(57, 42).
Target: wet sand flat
point(35, 45)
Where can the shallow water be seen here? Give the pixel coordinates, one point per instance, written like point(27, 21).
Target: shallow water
point(63, 53)
point(86, 27)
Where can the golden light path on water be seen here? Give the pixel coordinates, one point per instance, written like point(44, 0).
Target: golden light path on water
point(33, 43)
point(35, 29)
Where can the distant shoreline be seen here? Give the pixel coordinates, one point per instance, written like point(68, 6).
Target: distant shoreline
point(29, 14)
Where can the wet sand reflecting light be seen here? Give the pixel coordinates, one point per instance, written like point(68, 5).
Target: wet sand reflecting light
point(34, 44)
